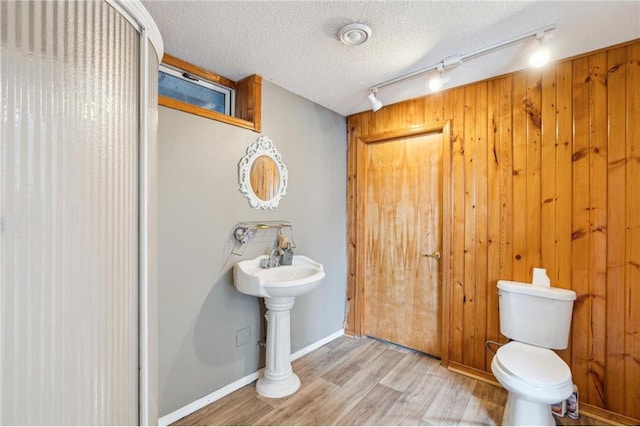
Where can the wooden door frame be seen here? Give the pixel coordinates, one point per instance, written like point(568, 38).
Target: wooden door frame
point(356, 171)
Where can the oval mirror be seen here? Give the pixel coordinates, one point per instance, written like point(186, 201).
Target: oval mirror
point(264, 178)
point(262, 175)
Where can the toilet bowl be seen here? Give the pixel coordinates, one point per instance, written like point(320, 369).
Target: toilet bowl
point(535, 378)
point(536, 320)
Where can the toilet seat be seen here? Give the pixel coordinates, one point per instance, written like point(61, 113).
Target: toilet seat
point(535, 366)
point(535, 378)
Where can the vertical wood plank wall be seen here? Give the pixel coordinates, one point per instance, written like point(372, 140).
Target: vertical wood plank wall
point(545, 171)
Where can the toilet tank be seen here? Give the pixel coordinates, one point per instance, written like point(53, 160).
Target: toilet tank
point(535, 315)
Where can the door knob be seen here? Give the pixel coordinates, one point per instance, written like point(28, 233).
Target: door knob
point(435, 255)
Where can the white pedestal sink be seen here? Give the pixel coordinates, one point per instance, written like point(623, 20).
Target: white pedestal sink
point(278, 286)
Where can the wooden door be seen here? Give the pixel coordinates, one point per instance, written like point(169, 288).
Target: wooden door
point(403, 222)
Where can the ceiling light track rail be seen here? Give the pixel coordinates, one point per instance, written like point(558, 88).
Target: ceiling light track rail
point(455, 60)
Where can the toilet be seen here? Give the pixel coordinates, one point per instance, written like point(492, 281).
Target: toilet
point(536, 320)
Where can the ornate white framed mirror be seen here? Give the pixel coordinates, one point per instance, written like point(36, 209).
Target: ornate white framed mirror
point(262, 175)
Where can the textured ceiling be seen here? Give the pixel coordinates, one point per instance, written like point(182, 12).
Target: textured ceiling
point(293, 44)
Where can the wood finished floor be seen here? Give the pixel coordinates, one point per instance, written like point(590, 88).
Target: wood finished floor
point(352, 381)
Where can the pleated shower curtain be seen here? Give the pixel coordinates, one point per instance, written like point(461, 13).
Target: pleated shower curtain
point(69, 206)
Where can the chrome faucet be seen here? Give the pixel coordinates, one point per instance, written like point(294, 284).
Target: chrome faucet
point(274, 258)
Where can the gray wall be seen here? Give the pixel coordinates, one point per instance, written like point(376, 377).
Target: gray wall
point(199, 204)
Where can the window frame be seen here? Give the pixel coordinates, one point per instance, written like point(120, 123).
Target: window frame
point(247, 102)
point(228, 93)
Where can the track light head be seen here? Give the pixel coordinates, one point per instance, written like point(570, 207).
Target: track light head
point(540, 57)
point(375, 103)
point(436, 83)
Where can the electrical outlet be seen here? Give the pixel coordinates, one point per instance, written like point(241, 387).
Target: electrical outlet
point(243, 336)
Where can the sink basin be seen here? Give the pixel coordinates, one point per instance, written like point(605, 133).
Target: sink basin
point(293, 280)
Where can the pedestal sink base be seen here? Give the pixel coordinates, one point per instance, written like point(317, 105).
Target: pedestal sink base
point(278, 388)
point(278, 379)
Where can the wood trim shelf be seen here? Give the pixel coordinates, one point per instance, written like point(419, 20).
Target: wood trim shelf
point(248, 102)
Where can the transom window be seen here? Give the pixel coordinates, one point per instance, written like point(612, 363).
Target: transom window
point(195, 90)
point(185, 87)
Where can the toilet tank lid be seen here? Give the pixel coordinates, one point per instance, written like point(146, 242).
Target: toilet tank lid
point(528, 289)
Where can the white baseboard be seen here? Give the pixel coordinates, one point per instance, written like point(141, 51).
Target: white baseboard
point(209, 398)
point(316, 345)
point(230, 388)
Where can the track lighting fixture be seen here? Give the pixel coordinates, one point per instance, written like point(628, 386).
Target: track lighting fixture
point(436, 83)
point(538, 59)
point(375, 103)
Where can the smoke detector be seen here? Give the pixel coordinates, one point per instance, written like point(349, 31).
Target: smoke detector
point(354, 34)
